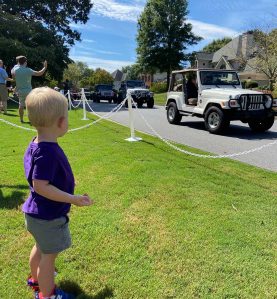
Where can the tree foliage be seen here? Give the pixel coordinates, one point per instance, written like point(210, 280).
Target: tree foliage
point(132, 71)
point(163, 35)
point(32, 39)
point(80, 75)
point(216, 44)
point(55, 15)
point(266, 54)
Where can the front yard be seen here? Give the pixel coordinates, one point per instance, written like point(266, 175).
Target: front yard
point(164, 225)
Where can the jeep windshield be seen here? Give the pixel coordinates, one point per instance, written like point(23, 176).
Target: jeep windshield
point(134, 84)
point(104, 87)
point(219, 78)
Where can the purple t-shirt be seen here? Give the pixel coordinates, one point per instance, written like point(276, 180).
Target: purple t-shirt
point(47, 161)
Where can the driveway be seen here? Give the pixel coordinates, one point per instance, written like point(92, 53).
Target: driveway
point(192, 132)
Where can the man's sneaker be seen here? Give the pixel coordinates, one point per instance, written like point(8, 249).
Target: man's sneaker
point(58, 294)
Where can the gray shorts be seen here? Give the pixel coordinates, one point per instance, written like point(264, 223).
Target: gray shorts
point(22, 98)
point(51, 236)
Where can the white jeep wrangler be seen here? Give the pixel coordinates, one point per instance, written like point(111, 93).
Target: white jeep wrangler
point(218, 97)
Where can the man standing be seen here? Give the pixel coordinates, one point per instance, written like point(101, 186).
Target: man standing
point(23, 77)
point(3, 89)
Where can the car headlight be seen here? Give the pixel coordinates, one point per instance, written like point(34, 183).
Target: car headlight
point(268, 103)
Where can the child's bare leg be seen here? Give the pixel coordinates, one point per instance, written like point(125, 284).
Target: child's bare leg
point(46, 271)
point(34, 261)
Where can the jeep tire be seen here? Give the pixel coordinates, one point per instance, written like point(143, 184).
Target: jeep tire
point(173, 115)
point(215, 120)
point(150, 103)
point(261, 125)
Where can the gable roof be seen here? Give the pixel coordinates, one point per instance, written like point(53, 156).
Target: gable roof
point(231, 50)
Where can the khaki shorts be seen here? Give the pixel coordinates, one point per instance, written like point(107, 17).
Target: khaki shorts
point(3, 93)
point(22, 98)
point(51, 236)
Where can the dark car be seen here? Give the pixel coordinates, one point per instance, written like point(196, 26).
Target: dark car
point(138, 91)
point(104, 92)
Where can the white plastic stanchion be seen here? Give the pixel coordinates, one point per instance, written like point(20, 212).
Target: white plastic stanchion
point(133, 138)
point(83, 97)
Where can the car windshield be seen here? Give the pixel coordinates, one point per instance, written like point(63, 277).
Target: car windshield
point(133, 84)
point(104, 87)
point(219, 78)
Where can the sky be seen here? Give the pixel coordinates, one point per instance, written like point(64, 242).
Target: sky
point(109, 37)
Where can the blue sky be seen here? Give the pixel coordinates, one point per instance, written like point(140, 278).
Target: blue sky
point(109, 37)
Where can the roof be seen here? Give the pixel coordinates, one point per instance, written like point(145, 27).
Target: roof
point(231, 50)
point(117, 75)
point(199, 69)
point(204, 56)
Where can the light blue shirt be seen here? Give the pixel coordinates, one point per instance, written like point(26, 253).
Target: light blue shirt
point(3, 76)
point(23, 79)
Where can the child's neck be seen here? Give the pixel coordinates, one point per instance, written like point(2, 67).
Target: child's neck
point(46, 136)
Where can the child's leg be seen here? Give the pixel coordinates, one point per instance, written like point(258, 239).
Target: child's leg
point(46, 271)
point(34, 261)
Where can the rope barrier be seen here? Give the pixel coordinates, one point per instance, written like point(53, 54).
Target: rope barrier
point(199, 155)
point(106, 116)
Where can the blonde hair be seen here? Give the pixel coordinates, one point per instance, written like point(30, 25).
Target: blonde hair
point(45, 106)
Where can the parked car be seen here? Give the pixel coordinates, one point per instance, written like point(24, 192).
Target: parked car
point(219, 99)
point(104, 92)
point(138, 91)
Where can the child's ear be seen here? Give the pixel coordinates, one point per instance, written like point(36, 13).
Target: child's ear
point(61, 121)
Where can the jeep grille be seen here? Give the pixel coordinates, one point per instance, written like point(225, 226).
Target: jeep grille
point(252, 102)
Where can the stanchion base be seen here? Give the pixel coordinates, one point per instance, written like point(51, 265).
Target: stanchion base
point(133, 139)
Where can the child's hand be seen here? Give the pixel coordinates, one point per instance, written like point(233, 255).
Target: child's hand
point(82, 200)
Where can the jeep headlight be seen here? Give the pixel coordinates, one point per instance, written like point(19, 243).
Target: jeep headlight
point(268, 102)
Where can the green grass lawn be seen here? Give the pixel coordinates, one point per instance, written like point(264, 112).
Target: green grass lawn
point(160, 98)
point(164, 225)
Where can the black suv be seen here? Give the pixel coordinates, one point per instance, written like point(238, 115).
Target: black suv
point(104, 92)
point(139, 93)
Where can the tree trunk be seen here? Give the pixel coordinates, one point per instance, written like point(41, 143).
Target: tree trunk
point(168, 78)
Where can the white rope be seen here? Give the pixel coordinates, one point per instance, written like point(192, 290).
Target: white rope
point(106, 116)
point(199, 155)
point(75, 107)
point(13, 100)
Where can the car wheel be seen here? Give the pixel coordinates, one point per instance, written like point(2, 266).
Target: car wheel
point(215, 120)
point(139, 103)
point(261, 125)
point(173, 115)
point(150, 103)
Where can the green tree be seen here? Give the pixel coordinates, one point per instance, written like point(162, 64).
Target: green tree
point(101, 76)
point(32, 39)
point(55, 15)
point(163, 35)
point(266, 54)
point(132, 71)
point(216, 44)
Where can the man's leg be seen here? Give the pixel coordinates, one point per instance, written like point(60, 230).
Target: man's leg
point(46, 269)
point(34, 261)
point(21, 112)
point(5, 106)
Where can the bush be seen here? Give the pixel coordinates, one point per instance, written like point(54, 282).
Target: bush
point(251, 84)
point(158, 87)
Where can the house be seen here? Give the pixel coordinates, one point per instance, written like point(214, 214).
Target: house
point(238, 55)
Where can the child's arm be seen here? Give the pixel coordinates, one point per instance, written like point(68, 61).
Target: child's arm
point(49, 191)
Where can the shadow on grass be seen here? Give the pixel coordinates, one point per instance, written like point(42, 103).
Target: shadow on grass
point(15, 199)
point(74, 288)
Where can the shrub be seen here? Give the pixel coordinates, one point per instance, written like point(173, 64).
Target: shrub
point(158, 87)
point(275, 90)
point(251, 84)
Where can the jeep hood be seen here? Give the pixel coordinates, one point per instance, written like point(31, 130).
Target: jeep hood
point(226, 93)
point(138, 88)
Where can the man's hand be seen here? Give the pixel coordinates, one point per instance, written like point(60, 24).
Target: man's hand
point(45, 64)
point(82, 200)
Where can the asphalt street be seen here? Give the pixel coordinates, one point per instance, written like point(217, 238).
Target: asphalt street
point(192, 132)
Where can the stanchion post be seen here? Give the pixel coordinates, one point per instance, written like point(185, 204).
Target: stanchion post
point(133, 138)
point(83, 97)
